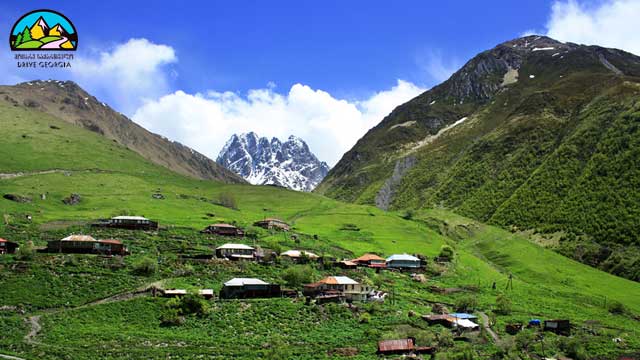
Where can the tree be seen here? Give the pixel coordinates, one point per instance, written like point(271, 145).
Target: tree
point(503, 305)
point(18, 40)
point(228, 200)
point(296, 276)
point(26, 35)
point(446, 252)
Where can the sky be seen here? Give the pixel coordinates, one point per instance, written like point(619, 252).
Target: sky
point(327, 71)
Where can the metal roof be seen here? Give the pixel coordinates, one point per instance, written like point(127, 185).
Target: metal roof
point(79, 238)
point(235, 246)
point(405, 257)
point(3, 240)
point(244, 281)
point(396, 345)
point(298, 253)
point(463, 316)
point(129, 218)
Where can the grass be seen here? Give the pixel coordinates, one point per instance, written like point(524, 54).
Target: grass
point(63, 289)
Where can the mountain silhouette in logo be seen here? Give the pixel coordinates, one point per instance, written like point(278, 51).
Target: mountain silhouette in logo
point(41, 36)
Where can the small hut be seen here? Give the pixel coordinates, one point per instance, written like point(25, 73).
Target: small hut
point(129, 222)
point(299, 256)
point(272, 223)
point(223, 230)
point(370, 260)
point(560, 327)
point(7, 247)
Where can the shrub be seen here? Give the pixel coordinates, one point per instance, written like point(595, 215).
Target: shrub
point(171, 317)
point(466, 304)
point(296, 276)
point(227, 200)
point(503, 305)
point(365, 318)
point(145, 266)
point(26, 252)
point(446, 252)
point(616, 307)
point(445, 339)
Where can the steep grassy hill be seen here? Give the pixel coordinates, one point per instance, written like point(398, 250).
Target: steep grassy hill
point(67, 101)
point(87, 307)
point(531, 135)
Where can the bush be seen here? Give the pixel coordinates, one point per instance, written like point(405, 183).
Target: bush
point(446, 252)
point(145, 266)
point(227, 200)
point(616, 307)
point(445, 339)
point(365, 318)
point(466, 304)
point(296, 276)
point(503, 305)
point(171, 317)
point(26, 252)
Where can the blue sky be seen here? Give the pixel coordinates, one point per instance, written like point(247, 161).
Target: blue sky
point(348, 48)
point(326, 71)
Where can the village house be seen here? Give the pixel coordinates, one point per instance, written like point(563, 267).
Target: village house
point(350, 289)
point(370, 260)
point(205, 293)
point(236, 252)
point(129, 222)
point(85, 244)
point(299, 255)
point(403, 261)
point(402, 347)
point(223, 229)
point(272, 223)
point(7, 247)
point(245, 288)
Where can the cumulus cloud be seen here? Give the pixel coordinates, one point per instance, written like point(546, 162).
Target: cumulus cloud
point(128, 75)
point(331, 126)
point(436, 66)
point(612, 23)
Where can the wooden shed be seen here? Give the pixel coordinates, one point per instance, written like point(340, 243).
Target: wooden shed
point(129, 222)
point(7, 247)
point(272, 223)
point(86, 244)
point(223, 230)
point(560, 327)
point(402, 347)
point(370, 260)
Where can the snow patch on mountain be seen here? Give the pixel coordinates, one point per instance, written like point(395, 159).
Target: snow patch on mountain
point(261, 161)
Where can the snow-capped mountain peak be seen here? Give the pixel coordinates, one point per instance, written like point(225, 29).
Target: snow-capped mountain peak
point(262, 161)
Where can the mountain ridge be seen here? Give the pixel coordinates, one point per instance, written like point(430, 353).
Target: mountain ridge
point(485, 140)
point(69, 102)
point(261, 161)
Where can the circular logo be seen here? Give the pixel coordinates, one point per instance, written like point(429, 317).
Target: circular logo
point(43, 30)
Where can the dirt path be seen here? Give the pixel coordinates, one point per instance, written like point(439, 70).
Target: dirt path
point(485, 325)
point(5, 176)
point(9, 357)
point(34, 321)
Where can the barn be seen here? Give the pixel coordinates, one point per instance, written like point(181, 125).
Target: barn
point(223, 230)
point(272, 223)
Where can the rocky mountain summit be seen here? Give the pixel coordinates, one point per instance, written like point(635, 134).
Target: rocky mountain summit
point(261, 161)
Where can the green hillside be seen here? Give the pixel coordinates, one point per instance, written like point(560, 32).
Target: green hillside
point(88, 307)
point(554, 152)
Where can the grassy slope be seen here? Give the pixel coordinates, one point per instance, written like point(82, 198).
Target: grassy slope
point(545, 285)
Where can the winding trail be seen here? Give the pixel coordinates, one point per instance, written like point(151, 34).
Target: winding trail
point(34, 321)
point(487, 327)
point(9, 357)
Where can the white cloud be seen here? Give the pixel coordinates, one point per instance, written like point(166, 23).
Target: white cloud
point(331, 126)
point(128, 75)
point(436, 67)
point(612, 23)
